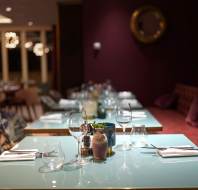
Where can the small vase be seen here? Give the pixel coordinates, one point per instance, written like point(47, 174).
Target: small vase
point(99, 146)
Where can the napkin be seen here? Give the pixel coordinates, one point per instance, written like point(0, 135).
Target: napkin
point(133, 102)
point(176, 152)
point(68, 103)
point(52, 118)
point(139, 114)
point(18, 155)
point(125, 95)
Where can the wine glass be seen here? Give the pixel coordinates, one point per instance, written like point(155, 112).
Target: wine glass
point(53, 157)
point(77, 129)
point(124, 118)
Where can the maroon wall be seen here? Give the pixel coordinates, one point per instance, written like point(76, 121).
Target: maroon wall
point(69, 30)
point(147, 70)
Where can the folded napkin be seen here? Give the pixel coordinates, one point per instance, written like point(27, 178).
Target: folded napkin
point(54, 118)
point(125, 95)
point(177, 152)
point(139, 114)
point(133, 102)
point(18, 155)
point(67, 103)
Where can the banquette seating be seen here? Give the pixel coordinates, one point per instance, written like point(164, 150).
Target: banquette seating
point(174, 119)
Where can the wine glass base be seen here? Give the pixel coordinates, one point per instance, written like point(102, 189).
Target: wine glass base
point(47, 169)
point(74, 164)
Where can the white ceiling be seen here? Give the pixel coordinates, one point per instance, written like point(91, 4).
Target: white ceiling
point(40, 12)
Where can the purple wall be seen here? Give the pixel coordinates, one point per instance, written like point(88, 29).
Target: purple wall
point(147, 70)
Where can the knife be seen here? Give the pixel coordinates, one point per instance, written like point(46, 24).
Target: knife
point(187, 147)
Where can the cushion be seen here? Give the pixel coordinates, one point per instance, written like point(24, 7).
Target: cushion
point(166, 101)
point(192, 117)
point(5, 142)
point(13, 125)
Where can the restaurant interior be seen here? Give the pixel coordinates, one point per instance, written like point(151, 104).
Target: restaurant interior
point(98, 94)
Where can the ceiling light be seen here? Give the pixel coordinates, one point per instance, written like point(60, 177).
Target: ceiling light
point(5, 20)
point(30, 23)
point(8, 9)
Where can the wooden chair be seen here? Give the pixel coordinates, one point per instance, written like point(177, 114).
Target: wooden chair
point(2, 100)
point(56, 95)
point(29, 99)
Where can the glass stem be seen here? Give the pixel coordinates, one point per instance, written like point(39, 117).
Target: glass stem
point(124, 129)
point(79, 152)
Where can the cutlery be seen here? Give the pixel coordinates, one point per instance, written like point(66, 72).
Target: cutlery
point(187, 147)
point(26, 152)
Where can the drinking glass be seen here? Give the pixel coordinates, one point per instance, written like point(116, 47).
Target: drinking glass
point(138, 136)
point(124, 118)
point(53, 157)
point(77, 130)
point(110, 104)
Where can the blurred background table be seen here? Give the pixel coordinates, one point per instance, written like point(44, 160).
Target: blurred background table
point(44, 127)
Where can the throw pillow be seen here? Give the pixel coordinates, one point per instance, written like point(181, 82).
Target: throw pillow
point(13, 125)
point(166, 101)
point(5, 142)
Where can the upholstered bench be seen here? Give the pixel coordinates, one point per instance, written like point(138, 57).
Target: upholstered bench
point(173, 120)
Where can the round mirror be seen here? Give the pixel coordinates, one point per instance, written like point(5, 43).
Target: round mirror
point(147, 24)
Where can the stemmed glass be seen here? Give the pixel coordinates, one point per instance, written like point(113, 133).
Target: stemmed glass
point(77, 129)
point(124, 118)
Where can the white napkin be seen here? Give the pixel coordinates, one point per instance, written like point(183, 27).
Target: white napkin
point(18, 155)
point(68, 103)
point(54, 118)
point(133, 102)
point(176, 152)
point(139, 114)
point(125, 95)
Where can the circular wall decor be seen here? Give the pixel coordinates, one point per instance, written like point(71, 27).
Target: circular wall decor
point(147, 24)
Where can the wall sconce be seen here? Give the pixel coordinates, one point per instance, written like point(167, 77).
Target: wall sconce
point(97, 46)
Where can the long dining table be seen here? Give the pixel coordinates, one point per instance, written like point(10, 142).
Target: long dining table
point(53, 128)
point(138, 168)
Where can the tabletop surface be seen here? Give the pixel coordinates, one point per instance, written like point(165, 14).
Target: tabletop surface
point(149, 121)
point(137, 168)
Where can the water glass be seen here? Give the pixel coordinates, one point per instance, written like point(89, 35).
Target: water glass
point(110, 104)
point(53, 157)
point(138, 136)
